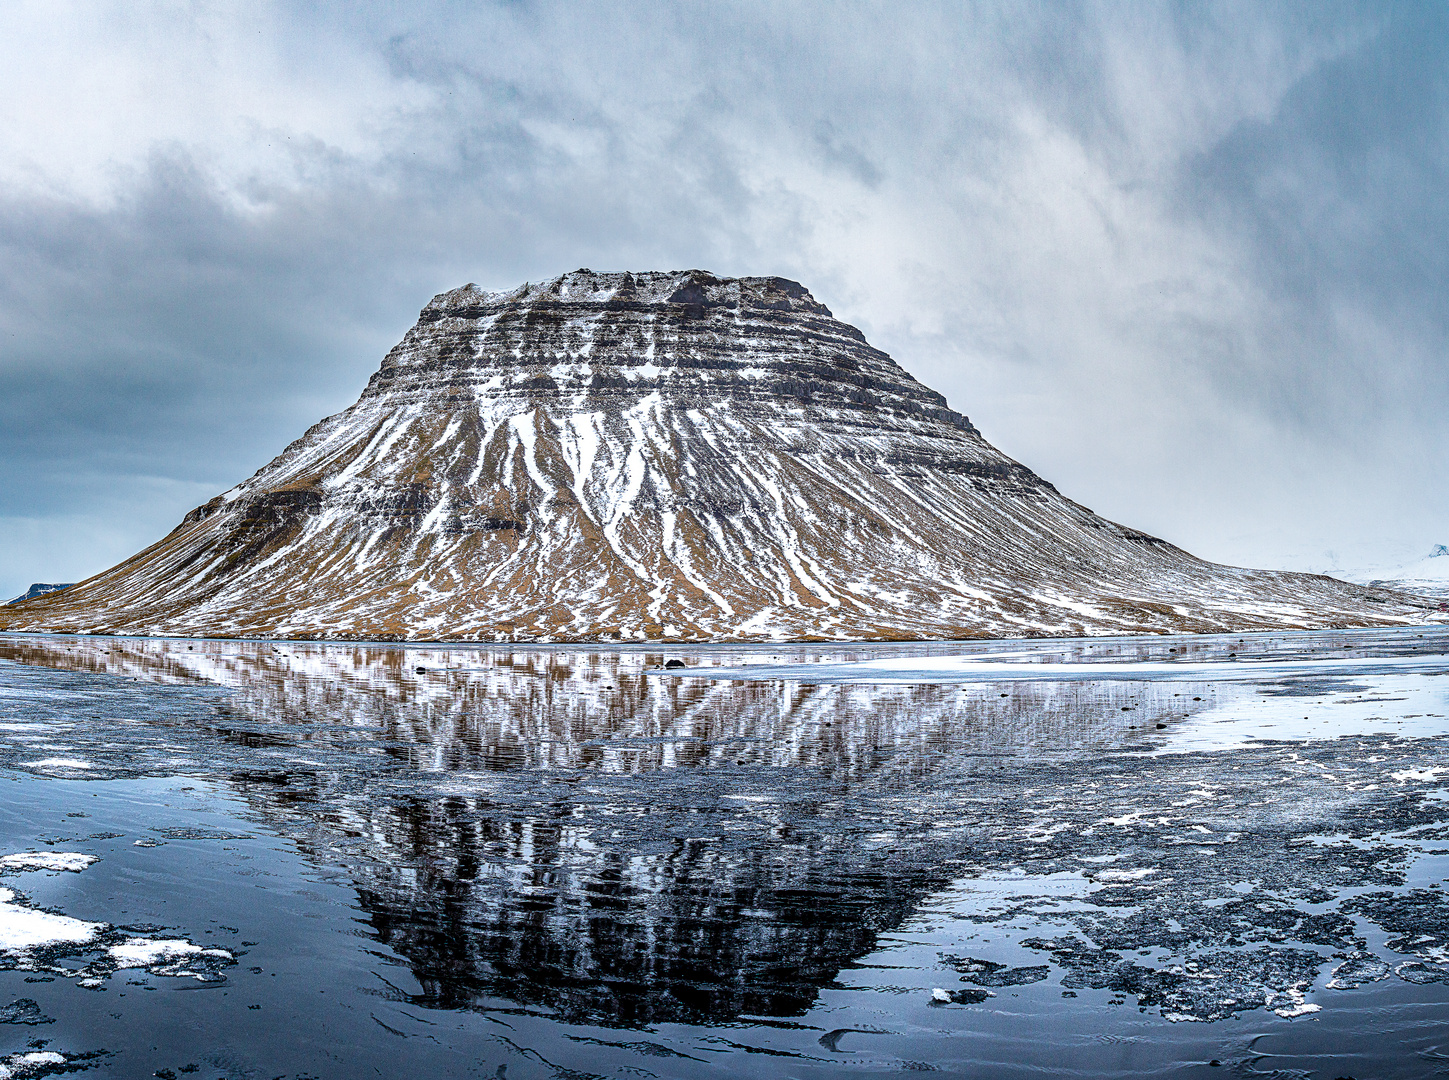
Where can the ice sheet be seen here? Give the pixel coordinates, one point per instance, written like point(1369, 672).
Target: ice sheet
point(944, 669)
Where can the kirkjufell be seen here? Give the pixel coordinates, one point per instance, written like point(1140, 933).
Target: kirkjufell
point(672, 457)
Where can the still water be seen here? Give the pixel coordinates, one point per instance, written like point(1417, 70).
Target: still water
point(1196, 857)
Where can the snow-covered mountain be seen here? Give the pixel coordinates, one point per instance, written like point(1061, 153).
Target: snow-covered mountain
point(1427, 575)
point(663, 456)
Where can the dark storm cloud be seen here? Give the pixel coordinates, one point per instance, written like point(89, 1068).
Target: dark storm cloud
point(1339, 196)
point(1181, 260)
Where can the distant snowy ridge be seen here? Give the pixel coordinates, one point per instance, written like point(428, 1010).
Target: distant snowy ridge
point(664, 456)
point(39, 588)
point(1426, 576)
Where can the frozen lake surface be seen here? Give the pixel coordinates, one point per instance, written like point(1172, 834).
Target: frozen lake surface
point(1218, 856)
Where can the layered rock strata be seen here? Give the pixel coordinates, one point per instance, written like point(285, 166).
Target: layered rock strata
point(624, 457)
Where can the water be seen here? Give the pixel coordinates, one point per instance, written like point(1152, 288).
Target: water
point(315, 860)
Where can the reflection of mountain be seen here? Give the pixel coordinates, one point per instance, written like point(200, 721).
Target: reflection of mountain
point(467, 708)
point(581, 835)
point(539, 913)
point(568, 835)
point(568, 831)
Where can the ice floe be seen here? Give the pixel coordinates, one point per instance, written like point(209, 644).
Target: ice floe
point(71, 861)
point(31, 937)
point(23, 929)
point(942, 669)
point(166, 956)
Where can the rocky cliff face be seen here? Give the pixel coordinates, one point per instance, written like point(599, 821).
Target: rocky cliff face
point(663, 456)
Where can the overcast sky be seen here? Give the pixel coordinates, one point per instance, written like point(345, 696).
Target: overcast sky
point(1187, 261)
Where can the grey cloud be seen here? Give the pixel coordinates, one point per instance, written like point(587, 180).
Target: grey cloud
point(1110, 234)
point(839, 152)
point(1338, 199)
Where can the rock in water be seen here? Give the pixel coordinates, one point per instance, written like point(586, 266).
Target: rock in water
point(663, 456)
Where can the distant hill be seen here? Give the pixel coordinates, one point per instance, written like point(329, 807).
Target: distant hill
point(664, 457)
point(39, 588)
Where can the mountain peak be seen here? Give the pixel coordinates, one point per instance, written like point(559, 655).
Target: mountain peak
point(583, 287)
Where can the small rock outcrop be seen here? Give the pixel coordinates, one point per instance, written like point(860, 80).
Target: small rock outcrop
point(663, 456)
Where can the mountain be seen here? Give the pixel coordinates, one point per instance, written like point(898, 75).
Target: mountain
point(1426, 576)
point(40, 588)
point(675, 456)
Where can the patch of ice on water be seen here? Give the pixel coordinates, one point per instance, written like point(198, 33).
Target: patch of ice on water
point(58, 763)
point(1123, 875)
point(25, 928)
point(143, 952)
point(1294, 1005)
point(1427, 775)
point(993, 668)
point(1418, 713)
point(72, 861)
point(1359, 968)
point(25, 932)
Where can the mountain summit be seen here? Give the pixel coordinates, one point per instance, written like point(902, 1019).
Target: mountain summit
point(676, 456)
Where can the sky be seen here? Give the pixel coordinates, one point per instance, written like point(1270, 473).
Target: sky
point(1186, 261)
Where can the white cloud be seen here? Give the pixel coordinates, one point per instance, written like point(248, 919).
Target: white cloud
point(88, 92)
